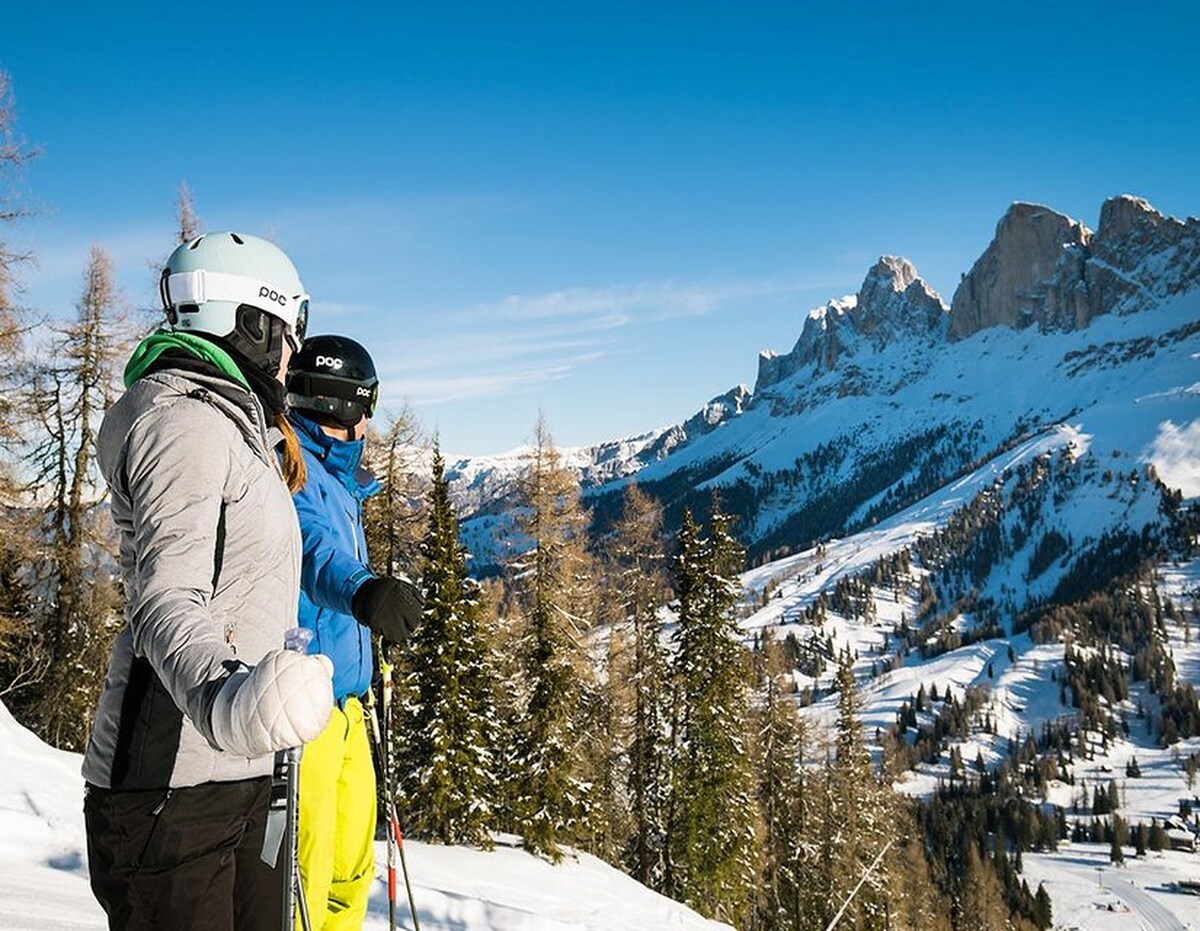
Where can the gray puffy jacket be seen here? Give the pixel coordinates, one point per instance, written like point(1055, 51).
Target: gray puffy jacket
point(210, 558)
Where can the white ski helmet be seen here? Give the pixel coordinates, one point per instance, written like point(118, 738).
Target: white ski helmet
point(239, 287)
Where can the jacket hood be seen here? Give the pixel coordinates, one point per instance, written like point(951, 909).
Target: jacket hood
point(341, 458)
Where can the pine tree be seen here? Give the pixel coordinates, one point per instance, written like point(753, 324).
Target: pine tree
point(449, 727)
point(781, 797)
point(714, 836)
point(553, 578)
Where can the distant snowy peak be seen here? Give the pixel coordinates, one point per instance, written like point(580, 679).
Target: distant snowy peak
point(1044, 269)
point(894, 303)
point(476, 482)
point(717, 411)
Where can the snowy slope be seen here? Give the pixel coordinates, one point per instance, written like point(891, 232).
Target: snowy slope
point(44, 884)
point(1018, 678)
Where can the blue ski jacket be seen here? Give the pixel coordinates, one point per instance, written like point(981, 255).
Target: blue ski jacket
point(335, 553)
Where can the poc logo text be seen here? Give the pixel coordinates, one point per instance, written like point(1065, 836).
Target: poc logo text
point(270, 295)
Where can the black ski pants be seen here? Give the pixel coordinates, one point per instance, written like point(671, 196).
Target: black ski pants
point(184, 860)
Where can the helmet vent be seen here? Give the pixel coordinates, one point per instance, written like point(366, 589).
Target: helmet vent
point(195, 243)
point(238, 239)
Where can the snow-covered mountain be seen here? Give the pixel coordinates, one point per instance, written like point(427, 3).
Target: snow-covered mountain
point(891, 393)
point(993, 504)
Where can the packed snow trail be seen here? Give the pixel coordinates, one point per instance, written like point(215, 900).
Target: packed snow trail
point(1152, 915)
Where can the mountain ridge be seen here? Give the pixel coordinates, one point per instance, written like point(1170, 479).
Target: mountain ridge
point(882, 397)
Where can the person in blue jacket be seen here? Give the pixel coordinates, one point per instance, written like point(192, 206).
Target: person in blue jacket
point(332, 390)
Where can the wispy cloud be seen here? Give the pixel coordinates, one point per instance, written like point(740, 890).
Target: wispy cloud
point(628, 303)
point(510, 344)
point(449, 388)
point(521, 341)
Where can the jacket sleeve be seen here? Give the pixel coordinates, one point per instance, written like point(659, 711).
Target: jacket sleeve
point(176, 469)
point(330, 575)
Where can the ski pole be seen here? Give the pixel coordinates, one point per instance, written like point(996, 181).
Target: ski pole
point(412, 908)
point(383, 773)
point(377, 743)
point(867, 872)
point(385, 669)
point(296, 640)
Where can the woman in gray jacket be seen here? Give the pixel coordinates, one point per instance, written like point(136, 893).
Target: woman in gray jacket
point(199, 693)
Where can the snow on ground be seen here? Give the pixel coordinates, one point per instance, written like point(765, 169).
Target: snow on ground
point(44, 881)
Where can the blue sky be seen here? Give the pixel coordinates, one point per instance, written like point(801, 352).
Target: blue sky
point(603, 211)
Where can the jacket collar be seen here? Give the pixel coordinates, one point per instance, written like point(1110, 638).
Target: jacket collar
point(237, 403)
point(341, 458)
point(154, 345)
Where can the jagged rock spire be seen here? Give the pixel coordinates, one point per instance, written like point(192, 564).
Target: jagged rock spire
point(894, 302)
point(1005, 286)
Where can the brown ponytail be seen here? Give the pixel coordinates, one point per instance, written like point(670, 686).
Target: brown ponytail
point(294, 471)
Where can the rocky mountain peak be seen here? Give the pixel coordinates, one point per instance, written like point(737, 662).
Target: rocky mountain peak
point(1045, 269)
point(1126, 216)
point(894, 299)
point(1005, 286)
point(893, 303)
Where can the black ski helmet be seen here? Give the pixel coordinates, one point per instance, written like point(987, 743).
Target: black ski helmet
point(333, 378)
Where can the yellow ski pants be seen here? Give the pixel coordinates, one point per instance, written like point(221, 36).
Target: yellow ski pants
point(337, 821)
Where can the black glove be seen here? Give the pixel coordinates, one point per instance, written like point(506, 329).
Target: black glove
point(390, 607)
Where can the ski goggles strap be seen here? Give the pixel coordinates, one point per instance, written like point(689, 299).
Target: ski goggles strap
point(201, 285)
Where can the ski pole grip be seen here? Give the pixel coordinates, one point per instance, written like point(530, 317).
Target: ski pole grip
point(297, 639)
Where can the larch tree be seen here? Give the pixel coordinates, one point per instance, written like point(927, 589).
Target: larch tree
point(185, 214)
point(854, 823)
point(981, 902)
point(448, 726)
point(394, 520)
point(74, 382)
point(603, 723)
point(24, 659)
point(715, 835)
point(393, 524)
point(553, 578)
point(14, 153)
